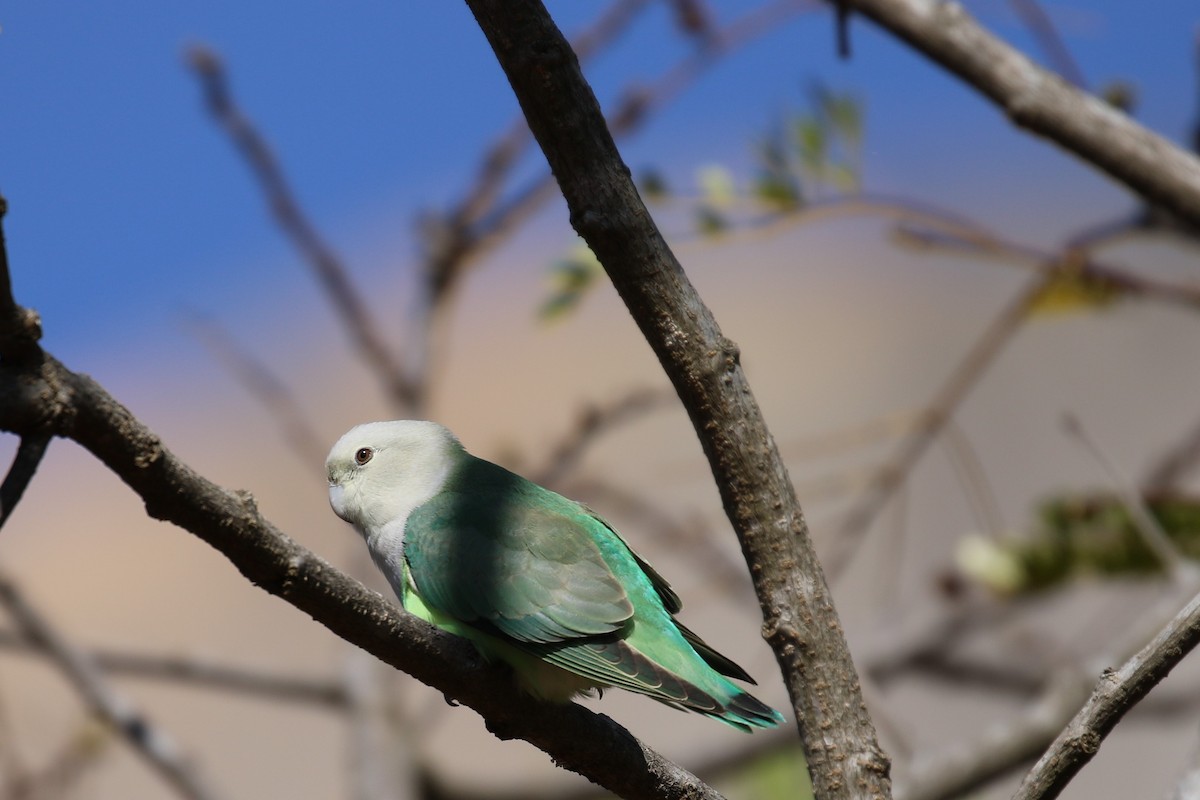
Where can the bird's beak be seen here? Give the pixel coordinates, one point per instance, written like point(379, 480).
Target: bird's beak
point(337, 499)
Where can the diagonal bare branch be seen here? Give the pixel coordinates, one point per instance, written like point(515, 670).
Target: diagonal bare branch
point(800, 622)
point(593, 422)
point(265, 386)
point(1117, 692)
point(1040, 25)
point(199, 672)
point(890, 476)
point(348, 304)
point(143, 736)
point(1039, 101)
point(25, 463)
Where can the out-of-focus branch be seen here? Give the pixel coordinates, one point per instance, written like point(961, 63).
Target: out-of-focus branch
point(1038, 22)
point(887, 479)
point(970, 765)
point(1175, 464)
point(1037, 100)
point(144, 737)
point(460, 238)
point(800, 623)
point(191, 670)
point(51, 397)
point(1005, 746)
point(1082, 263)
point(593, 422)
point(82, 751)
point(350, 307)
point(261, 382)
point(1117, 692)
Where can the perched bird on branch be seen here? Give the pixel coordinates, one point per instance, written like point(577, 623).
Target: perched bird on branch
point(532, 578)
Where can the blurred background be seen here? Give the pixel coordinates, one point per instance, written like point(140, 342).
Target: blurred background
point(976, 353)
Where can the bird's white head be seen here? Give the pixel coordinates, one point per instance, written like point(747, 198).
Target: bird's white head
point(380, 471)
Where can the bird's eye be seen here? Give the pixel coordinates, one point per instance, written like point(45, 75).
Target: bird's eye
point(363, 455)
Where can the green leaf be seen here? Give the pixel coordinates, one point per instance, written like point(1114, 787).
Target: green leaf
point(653, 185)
point(717, 186)
point(571, 277)
point(842, 176)
point(778, 191)
point(710, 222)
point(812, 143)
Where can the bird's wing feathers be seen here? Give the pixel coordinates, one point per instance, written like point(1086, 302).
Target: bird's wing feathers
point(490, 559)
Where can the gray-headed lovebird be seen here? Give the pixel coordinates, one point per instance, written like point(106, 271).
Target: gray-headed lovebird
point(530, 577)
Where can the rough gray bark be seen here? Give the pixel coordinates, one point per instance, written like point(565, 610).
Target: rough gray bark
point(800, 622)
point(1043, 103)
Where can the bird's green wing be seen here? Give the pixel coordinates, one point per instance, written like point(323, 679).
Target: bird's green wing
point(502, 559)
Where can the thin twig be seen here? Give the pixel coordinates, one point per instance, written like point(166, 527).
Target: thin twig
point(974, 481)
point(1080, 260)
point(594, 422)
point(348, 304)
point(142, 735)
point(1174, 465)
point(1152, 534)
point(201, 673)
point(971, 764)
point(87, 744)
point(261, 382)
point(887, 479)
point(25, 463)
point(451, 246)
point(1117, 692)
point(1042, 28)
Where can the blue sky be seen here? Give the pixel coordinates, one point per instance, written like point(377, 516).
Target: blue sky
point(127, 205)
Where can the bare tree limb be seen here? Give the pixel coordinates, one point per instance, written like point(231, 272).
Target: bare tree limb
point(1000, 748)
point(593, 422)
point(1175, 464)
point(1039, 24)
point(191, 670)
point(888, 478)
point(800, 623)
point(82, 751)
point(261, 382)
point(1117, 692)
point(20, 328)
point(145, 738)
point(350, 307)
point(455, 241)
point(1042, 103)
point(29, 456)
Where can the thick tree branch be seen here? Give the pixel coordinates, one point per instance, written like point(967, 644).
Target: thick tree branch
point(51, 398)
point(800, 622)
point(1043, 103)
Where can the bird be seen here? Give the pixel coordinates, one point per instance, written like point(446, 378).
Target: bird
point(533, 579)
